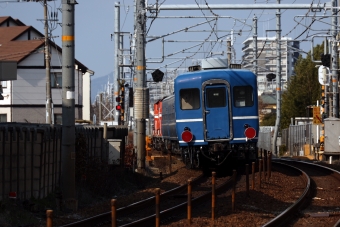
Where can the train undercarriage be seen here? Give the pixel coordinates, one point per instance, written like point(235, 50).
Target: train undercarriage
point(218, 157)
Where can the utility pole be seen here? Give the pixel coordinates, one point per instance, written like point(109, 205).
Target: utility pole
point(68, 103)
point(334, 80)
point(278, 79)
point(48, 70)
point(141, 95)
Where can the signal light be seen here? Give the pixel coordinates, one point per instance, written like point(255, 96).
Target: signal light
point(118, 107)
point(118, 99)
point(157, 75)
point(326, 60)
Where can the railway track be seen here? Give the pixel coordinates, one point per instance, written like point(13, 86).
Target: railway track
point(175, 200)
point(323, 203)
point(312, 199)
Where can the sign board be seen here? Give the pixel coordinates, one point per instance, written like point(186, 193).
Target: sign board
point(8, 70)
point(324, 77)
point(317, 119)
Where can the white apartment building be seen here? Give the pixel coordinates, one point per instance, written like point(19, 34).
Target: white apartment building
point(267, 58)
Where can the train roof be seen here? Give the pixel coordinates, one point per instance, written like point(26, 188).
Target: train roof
point(240, 76)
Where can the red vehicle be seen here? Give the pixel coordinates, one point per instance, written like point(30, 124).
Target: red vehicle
point(157, 130)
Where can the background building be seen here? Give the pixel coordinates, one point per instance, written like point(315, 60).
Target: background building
point(24, 99)
point(267, 57)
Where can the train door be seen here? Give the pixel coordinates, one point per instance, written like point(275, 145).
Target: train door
point(216, 112)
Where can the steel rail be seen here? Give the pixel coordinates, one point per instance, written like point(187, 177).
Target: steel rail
point(106, 217)
point(286, 214)
point(151, 219)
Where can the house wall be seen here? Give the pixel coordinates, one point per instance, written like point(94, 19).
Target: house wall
point(30, 86)
point(30, 35)
point(86, 96)
point(36, 114)
point(29, 90)
point(11, 23)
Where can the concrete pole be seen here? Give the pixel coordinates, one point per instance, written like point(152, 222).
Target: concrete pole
point(278, 79)
point(116, 73)
point(335, 59)
point(325, 109)
point(141, 99)
point(121, 81)
point(255, 45)
point(48, 71)
point(68, 103)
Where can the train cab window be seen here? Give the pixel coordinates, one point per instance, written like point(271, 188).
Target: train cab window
point(243, 96)
point(190, 99)
point(216, 97)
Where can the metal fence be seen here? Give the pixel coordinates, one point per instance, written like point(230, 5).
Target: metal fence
point(265, 138)
point(298, 139)
point(30, 155)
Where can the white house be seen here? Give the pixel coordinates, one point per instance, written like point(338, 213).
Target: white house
point(25, 98)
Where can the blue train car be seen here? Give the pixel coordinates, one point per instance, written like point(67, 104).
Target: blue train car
point(212, 118)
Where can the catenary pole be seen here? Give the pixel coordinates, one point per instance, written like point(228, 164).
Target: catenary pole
point(278, 79)
point(255, 45)
point(48, 70)
point(141, 95)
point(68, 102)
point(116, 73)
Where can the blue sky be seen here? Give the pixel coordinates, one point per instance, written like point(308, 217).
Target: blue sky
point(95, 23)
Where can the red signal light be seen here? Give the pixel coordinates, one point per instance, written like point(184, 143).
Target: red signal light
point(118, 107)
point(250, 133)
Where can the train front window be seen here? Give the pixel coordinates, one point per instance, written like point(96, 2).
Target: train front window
point(243, 96)
point(216, 97)
point(190, 99)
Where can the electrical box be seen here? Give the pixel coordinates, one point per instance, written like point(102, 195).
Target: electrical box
point(8, 70)
point(332, 136)
point(114, 151)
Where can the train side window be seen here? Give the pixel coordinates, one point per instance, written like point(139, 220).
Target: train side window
point(216, 97)
point(190, 99)
point(243, 96)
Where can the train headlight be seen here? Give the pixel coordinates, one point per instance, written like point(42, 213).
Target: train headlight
point(250, 132)
point(187, 136)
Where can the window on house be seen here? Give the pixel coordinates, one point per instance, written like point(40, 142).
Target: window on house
point(56, 80)
point(3, 117)
point(58, 119)
point(243, 96)
point(4, 84)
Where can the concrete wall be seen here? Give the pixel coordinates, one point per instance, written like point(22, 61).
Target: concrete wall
point(30, 155)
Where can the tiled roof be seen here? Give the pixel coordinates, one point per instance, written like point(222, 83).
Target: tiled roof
point(17, 50)
point(10, 33)
point(3, 19)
